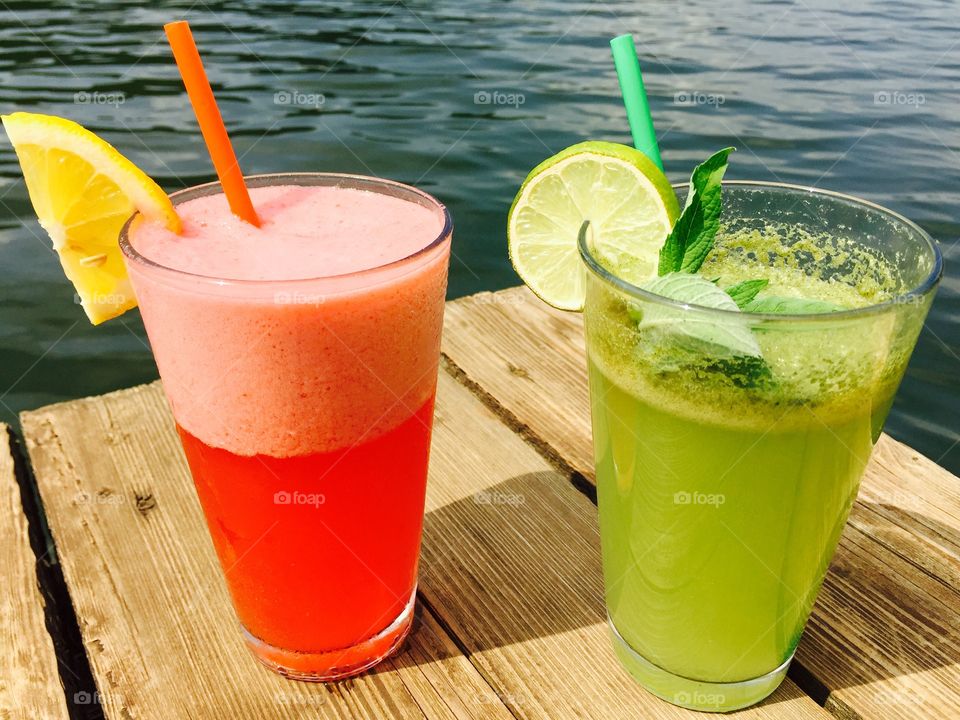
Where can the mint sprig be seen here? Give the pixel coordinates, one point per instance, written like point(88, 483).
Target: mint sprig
point(682, 255)
point(694, 234)
point(691, 239)
point(727, 342)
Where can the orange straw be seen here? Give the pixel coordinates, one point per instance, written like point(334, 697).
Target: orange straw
point(210, 120)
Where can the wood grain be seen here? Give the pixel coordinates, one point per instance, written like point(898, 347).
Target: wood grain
point(884, 638)
point(152, 606)
point(29, 681)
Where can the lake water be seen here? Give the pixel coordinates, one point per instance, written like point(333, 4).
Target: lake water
point(463, 98)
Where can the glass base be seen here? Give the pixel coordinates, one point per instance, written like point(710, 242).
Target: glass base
point(695, 694)
point(336, 664)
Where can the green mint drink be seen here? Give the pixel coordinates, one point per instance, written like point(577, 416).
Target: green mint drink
point(728, 542)
point(729, 445)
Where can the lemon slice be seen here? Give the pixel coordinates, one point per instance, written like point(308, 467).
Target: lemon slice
point(83, 191)
point(627, 199)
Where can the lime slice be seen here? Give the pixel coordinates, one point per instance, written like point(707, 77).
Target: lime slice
point(627, 199)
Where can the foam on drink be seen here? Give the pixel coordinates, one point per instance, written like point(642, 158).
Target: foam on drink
point(293, 349)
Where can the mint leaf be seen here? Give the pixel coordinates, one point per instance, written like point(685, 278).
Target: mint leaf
point(703, 333)
point(790, 306)
point(691, 239)
point(744, 292)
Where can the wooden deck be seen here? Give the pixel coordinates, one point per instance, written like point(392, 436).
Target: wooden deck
point(510, 618)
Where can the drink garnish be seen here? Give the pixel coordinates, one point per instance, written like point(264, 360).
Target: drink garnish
point(719, 343)
point(83, 191)
point(692, 237)
point(627, 199)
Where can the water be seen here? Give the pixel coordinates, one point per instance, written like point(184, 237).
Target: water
point(462, 98)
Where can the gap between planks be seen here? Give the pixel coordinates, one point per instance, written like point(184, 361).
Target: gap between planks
point(30, 685)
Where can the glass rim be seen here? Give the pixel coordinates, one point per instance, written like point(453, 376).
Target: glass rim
point(267, 179)
point(920, 291)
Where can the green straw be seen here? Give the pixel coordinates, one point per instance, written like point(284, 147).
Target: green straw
point(635, 97)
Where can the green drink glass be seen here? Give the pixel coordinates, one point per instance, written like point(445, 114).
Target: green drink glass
point(729, 446)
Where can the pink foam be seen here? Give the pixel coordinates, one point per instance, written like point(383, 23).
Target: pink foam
point(296, 365)
point(306, 232)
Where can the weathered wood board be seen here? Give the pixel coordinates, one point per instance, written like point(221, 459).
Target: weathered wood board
point(29, 680)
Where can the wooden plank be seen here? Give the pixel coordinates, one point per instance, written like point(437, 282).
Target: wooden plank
point(883, 638)
point(517, 583)
point(152, 607)
point(29, 680)
point(532, 367)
